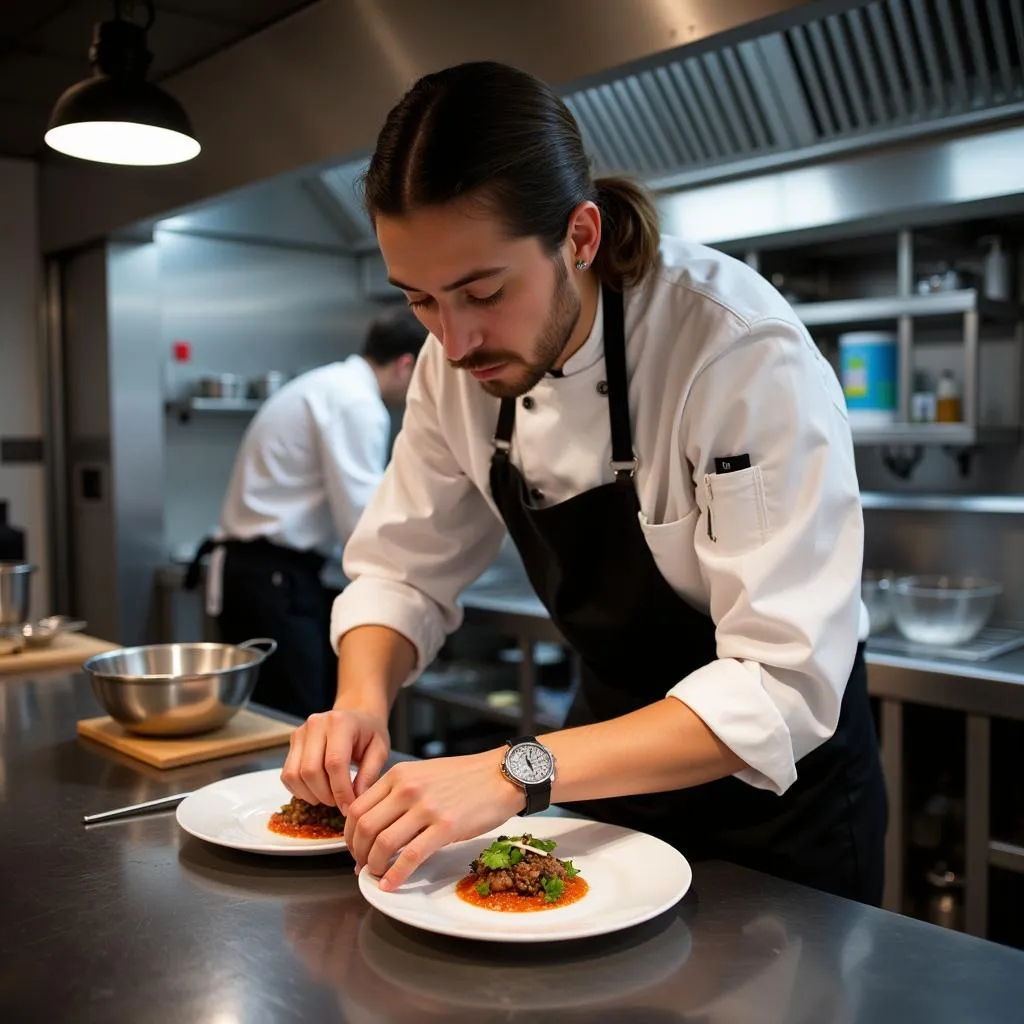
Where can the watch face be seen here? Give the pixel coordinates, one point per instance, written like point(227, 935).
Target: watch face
point(529, 762)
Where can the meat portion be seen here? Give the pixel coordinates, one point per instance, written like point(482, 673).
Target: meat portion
point(515, 865)
point(298, 812)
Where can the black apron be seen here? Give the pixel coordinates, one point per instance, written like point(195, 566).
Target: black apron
point(273, 591)
point(589, 563)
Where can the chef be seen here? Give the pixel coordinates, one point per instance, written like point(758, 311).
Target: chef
point(655, 429)
point(307, 466)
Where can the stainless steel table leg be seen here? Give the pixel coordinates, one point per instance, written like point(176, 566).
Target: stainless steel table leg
point(977, 824)
point(892, 766)
point(527, 679)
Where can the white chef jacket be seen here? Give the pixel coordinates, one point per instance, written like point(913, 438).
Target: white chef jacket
point(308, 464)
point(719, 365)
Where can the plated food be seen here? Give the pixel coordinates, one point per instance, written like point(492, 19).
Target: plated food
point(302, 820)
point(521, 873)
point(631, 877)
point(236, 811)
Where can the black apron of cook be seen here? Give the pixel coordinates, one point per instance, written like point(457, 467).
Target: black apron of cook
point(273, 591)
point(589, 563)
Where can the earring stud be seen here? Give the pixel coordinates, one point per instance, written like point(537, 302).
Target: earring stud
point(582, 264)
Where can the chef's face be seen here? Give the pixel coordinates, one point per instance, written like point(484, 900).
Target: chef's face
point(503, 308)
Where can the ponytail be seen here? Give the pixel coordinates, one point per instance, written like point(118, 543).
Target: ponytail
point(630, 232)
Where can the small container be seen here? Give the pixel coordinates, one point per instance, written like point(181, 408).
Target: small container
point(996, 274)
point(947, 399)
point(875, 592)
point(867, 369)
point(923, 401)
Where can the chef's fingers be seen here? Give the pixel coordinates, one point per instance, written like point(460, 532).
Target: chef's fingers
point(390, 840)
point(368, 817)
point(311, 766)
point(425, 845)
point(339, 747)
point(291, 774)
point(370, 764)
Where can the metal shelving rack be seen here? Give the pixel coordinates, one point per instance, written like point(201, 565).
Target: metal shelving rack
point(905, 310)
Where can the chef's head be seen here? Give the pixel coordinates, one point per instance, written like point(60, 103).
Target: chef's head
point(489, 220)
point(391, 346)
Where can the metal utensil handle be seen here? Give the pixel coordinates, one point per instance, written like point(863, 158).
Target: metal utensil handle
point(250, 645)
point(124, 812)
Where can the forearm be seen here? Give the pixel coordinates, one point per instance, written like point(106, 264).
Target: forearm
point(373, 663)
point(660, 747)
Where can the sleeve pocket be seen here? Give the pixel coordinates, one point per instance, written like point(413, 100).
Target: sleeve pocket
point(737, 516)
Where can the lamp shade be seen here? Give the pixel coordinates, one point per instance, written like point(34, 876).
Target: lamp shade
point(121, 120)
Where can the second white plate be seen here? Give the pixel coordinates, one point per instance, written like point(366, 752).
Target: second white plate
point(234, 812)
point(632, 876)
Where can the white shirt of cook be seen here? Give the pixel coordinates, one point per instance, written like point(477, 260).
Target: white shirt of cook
point(718, 365)
point(308, 464)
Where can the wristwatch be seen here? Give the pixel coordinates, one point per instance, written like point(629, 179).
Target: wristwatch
point(531, 765)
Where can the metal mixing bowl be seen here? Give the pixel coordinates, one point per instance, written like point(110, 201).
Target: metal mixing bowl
point(15, 580)
point(177, 689)
point(942, 610)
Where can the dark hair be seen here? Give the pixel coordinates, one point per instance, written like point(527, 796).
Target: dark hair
point(494, 133)
point(394, 334)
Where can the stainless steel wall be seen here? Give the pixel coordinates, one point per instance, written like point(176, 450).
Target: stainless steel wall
point(244, 309)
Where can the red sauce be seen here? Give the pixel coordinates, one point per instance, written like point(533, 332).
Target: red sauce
point(513, 903)
point(286, 828)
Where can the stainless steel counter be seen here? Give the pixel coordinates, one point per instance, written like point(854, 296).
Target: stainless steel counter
point(135, 921)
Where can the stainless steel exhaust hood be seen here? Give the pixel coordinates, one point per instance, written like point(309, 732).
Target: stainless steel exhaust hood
point(850, 79)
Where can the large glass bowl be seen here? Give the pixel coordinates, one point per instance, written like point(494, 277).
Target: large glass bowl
point(942, 610)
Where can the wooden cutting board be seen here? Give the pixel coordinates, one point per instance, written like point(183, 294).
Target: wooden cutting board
point(68, 650)
point(246, 732)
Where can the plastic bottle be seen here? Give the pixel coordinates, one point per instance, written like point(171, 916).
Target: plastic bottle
point(997, 271)
point(947, 399)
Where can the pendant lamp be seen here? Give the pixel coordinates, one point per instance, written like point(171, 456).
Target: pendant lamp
point(116, 116)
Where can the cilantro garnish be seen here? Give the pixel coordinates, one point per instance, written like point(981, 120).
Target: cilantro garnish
point(570, 869)
point(553, 889)
point(483, 888)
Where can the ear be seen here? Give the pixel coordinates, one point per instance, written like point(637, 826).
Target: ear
point(583, 237)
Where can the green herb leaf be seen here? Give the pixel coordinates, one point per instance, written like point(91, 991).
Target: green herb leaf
point(553, 889)
point(515, 855)
point(483, 888)
point(544, 845)
point(497, 856)
point(570, 869)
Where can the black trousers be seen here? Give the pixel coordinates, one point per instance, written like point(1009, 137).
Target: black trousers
point(271, 591)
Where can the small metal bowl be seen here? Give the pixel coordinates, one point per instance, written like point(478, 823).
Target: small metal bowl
point(43, 632)
point(177, 689)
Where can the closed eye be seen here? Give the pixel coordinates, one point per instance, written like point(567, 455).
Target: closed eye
point(420, 303)
point(487, 300)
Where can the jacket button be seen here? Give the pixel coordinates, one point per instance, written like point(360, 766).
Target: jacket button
point(276, 579)
point(602, 387)
point(528, 402)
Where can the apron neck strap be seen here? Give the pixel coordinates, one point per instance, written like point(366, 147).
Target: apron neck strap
point(624, 460)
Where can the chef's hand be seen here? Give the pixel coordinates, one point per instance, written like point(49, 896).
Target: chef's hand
point(424, 805)
point(323, 747)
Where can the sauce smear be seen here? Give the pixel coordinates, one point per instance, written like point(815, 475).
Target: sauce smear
point(278, 824)
point(513, 903)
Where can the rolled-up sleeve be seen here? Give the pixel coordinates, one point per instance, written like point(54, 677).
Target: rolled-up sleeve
point(780, 545)
point(426, 534)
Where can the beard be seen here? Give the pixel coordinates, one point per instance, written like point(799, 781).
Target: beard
point(547, 349)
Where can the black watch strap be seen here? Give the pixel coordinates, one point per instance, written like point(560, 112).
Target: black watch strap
point(520, 739)
point(538, 797)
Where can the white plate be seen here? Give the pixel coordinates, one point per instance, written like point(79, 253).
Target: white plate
point(234, 812)
point(632, 878)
